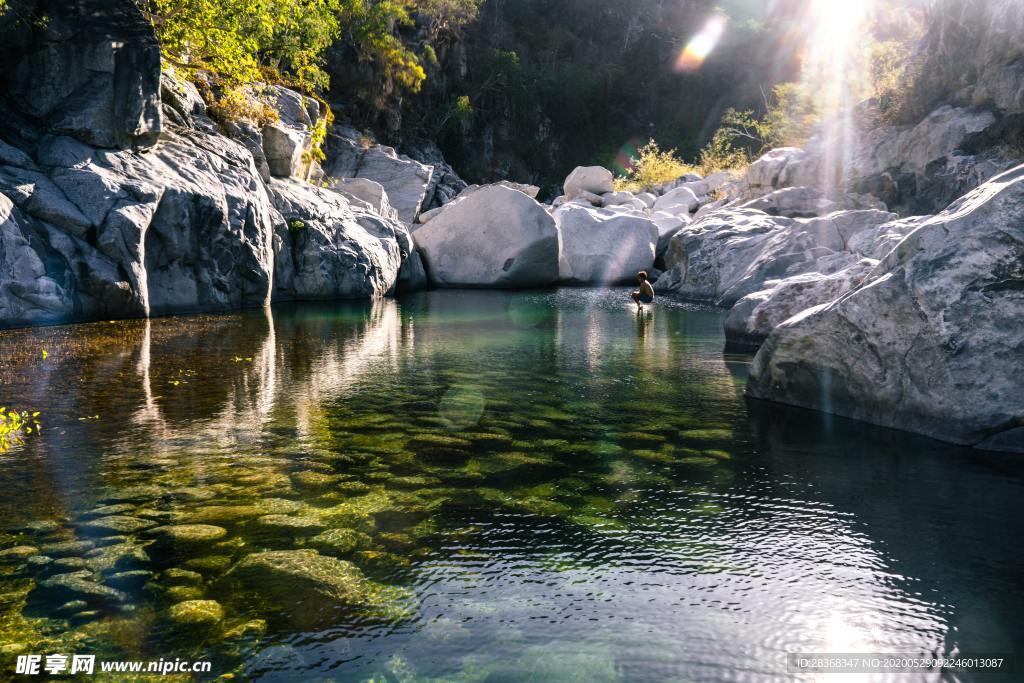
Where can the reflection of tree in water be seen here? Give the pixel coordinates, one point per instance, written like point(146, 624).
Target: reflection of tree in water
point(453, 444)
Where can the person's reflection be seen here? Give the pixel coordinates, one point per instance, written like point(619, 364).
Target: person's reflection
point(644, 322)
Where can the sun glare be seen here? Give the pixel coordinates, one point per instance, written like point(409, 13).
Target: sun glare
point(835, 69)
point(701, 45)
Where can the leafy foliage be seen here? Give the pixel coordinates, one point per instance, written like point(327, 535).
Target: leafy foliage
point(652, 166)
point(239, 41)
point(15, 426)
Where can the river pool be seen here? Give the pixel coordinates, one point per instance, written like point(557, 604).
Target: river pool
point(478, 486)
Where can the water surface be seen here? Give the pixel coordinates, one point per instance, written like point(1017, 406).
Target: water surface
point(528, 486)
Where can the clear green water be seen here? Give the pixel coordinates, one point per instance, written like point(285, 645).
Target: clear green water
point(528, 487)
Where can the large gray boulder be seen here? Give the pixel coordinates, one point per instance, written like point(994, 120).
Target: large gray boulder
point(932, 342)
point(754, 316)
point(712, 255)
point(445, 184)
point(600, 246)
point(288, 141)
point(97, 234)
point(681, 200)
point(731, 253)
point(370, 192)
point(877, 241)
point(592, 180)
point(92, 71)
point(327, 249)
point(405, 180)
point(493, 236)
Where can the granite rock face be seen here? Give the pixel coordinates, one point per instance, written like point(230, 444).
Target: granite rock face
point(327, 249)
point(92, 71)
point(930, 343)
point(92, 226)
point(405, 180)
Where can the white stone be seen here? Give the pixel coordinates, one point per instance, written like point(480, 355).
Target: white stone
point(493, 237)
point(595, 180)
point(677, 201)
point(600, 246)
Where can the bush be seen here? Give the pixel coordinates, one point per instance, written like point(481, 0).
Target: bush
point(652, 166)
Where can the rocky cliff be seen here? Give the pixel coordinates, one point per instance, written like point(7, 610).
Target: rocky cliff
point(120, 196)
point(888, 289)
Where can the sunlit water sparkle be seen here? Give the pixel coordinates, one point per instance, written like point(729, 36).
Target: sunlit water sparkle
point(620, 512)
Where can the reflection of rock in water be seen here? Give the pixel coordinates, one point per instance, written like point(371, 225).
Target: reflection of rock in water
point(878, 476)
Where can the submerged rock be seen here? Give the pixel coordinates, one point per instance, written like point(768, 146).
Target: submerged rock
point(116, 524)
point(196, 613)
point(339, 541)
point(932, 342)
point(77, 586)
point(309, 589)
point(18, 553)
point(183, 539)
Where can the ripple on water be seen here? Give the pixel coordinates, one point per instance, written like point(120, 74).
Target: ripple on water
point(480, 486)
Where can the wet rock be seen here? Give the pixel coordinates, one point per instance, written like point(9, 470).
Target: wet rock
point(116, 524)
point(251, 628)
point(313, 481)
point(17, 554)
point(142, 493)
point(72, 607)
point(107, 510)
point(37, 562)
point(280, 506)
point(182, 593)
point(188, 534)
point(309, 589)
point(66, 548)
point(132, 579)
point(223, 515)
point(191, 493)
point(289, 525)
point(67, 564)
point(113, 557)
point(210, 565)
point(196, 613)
point(42, 527)
point(183, 539)
point(175, 576)
point(339, 541)
point(77, 586)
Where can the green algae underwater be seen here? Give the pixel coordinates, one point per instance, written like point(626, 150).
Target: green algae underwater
point(474, 486)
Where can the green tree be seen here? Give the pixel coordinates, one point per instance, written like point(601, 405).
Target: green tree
point(242, 41)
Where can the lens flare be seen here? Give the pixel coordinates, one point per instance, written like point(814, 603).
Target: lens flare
point(701, 45)
point(625, 158)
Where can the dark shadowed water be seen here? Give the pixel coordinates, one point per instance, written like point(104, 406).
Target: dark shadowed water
point(516, 487)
